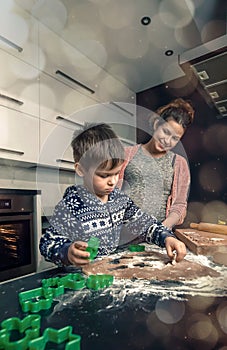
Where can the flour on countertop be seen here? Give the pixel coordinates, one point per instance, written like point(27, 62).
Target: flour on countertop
point(140, 290)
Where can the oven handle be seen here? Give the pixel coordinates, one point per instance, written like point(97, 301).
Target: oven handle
point(15, 216)
point(20, 153)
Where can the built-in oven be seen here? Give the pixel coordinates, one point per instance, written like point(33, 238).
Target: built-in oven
point(17, 248)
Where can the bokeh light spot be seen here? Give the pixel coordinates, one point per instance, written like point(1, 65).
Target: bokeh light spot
point(211, 176)
point(52, 13)
point(222, 316)
point(169, 311)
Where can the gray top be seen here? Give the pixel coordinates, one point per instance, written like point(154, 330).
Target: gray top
point(148, 181)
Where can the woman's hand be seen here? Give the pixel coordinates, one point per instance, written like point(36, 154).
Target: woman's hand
point(173, 244)
point(77, 254)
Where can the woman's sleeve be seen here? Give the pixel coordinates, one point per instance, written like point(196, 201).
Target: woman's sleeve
point(121, 175)
point(177, 202)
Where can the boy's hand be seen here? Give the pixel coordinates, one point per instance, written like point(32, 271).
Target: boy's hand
point(77, 254)
point(173, 244)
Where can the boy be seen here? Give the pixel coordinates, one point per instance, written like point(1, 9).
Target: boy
point(97, 208)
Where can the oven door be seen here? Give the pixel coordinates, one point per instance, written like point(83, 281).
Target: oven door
point(16, 246)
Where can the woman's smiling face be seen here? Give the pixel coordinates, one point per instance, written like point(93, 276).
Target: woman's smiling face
point(167, 135)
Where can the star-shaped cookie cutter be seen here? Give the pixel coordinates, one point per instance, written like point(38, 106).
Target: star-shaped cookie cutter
point(136, 248)
point(57, 336)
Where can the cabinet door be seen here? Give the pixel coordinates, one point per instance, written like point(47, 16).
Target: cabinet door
point(55, 146)
point(58, 99)
point(19, 85)
point(122, 118)
point(68, 65)
point(61, 57)
point(19, 136)
point(19, 33)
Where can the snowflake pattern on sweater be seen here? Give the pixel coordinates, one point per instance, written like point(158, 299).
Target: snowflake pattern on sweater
point(80, 215)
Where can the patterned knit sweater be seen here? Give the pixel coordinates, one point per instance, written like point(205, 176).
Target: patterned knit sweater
point(80, 215)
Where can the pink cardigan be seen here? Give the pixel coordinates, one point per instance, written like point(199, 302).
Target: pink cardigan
point(177, 200)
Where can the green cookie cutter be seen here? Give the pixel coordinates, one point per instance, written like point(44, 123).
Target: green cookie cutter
point(136, 248)
point(73, 281)
point(93, 246)
point(97, 282)
point(30, 326)
point(53, 285)
point(57, 337)
point(35, 300)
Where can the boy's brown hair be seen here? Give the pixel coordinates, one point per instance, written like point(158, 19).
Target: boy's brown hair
point(96, 145)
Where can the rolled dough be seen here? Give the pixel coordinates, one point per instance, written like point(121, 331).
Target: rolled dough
point(150, 266)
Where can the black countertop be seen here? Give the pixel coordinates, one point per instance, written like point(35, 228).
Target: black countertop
point(113, 318)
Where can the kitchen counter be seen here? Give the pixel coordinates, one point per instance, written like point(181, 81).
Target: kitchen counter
point(127, 315)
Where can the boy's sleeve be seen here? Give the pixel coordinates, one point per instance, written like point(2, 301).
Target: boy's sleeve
point(54, 247)
point(57, 238)
point(157, 234)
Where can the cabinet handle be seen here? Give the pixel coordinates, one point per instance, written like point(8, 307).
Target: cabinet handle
point(12, 99)
point(20, 153)
point(10, 43)
point(129, 142)
point(121, 108)
point(68, 120)
point(72, 80)
point(64, 161)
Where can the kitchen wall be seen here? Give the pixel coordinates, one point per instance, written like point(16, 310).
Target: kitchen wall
point(203, 145)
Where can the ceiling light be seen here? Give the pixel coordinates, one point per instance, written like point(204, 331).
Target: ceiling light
point(169, 52)
point(222, 109)
point(214, 94)
point(146, 20)
point(203, 75)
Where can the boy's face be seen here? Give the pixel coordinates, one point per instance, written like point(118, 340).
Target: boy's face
point(101, 181)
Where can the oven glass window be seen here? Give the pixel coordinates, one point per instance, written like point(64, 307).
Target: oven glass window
point(15, 244)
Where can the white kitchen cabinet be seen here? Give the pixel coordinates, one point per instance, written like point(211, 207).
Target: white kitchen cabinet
point(122, 118)
point(19, 136)
point(55, 148)
point(58, 99)
point(19, 85)
point(61, 57)
point(68, 65)
point(19, 32)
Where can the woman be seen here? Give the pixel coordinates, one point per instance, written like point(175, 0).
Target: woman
point(156, 178)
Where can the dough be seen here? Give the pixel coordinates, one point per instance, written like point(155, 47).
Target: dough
point(150, 266)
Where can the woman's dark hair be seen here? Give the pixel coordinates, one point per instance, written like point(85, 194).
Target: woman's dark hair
point(96, 145)
point(179, 110)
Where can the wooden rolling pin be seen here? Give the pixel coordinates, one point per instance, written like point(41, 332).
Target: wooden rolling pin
point(213, 228)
